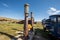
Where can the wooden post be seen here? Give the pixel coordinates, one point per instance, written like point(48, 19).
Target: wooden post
point(26, 11)
point(32, 20)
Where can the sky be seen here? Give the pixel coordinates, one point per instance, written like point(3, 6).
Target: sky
point(41, 8)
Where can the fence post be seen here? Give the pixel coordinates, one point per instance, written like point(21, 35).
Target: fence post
point(26, 12)
point(32, 20)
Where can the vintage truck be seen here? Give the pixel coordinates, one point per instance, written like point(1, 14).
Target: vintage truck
point(52, 25)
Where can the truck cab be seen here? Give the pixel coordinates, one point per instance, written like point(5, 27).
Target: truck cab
point(55, 28)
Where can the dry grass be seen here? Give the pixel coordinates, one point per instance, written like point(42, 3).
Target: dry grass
point(38, 25)
point(11, 28)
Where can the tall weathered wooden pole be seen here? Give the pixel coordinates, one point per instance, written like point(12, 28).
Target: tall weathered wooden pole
point(32, 20)
point(26, 12)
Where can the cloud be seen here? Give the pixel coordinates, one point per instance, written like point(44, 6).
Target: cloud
point(4, 4)
point(53, 11)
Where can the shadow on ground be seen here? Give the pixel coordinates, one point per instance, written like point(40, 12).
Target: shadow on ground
point(15, 29)
point(10, 36)
point(44, 34)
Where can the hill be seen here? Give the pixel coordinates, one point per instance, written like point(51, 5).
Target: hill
point(9, 20)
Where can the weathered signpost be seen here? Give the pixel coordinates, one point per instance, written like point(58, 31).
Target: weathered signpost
point(26, 11)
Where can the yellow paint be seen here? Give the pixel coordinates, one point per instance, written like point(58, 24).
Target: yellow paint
point(29, 27)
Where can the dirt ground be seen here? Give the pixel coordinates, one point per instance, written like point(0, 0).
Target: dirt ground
point(38, 37)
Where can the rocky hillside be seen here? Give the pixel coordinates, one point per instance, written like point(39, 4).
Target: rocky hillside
point(9, 20)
